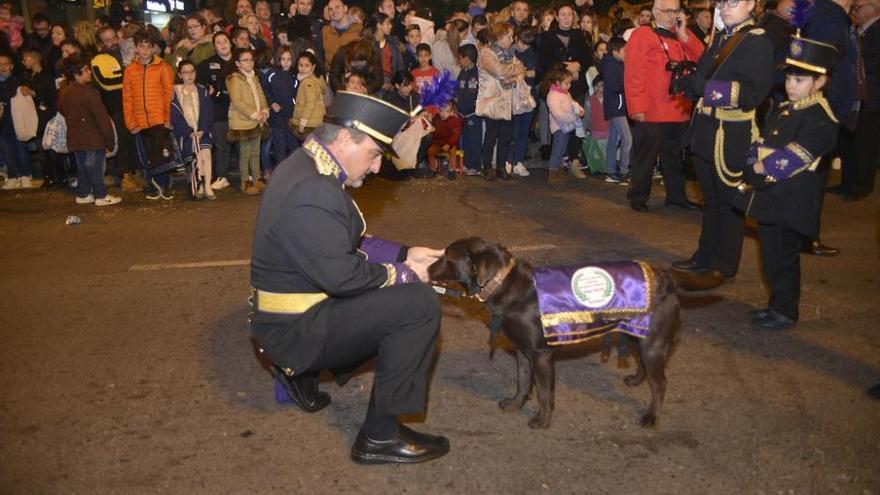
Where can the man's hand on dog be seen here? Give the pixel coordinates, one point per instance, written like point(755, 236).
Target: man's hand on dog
point(418, 259)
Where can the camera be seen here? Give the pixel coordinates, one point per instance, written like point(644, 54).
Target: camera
point(679, 69)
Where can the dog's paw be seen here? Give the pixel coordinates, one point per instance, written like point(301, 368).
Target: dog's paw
point(539, 423)
point(647, 420)
point(633, 380)
point(510, 405)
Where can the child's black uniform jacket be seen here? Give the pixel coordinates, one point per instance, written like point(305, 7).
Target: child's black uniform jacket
point(793, 140)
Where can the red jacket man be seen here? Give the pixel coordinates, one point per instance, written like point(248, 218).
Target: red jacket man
point(645, 78)
point(660, 118)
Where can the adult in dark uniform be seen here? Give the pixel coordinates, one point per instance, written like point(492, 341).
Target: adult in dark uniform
point(786, 199)
point(327, 297)
point(734, 76)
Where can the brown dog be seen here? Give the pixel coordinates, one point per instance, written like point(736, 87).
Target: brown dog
point(490, 273)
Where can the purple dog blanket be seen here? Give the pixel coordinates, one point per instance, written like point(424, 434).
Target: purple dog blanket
point(582, 302)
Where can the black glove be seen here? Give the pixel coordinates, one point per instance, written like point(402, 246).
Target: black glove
point(692, 85)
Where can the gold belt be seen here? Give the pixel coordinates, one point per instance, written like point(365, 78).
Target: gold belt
point(728, 177)
point(284, 303)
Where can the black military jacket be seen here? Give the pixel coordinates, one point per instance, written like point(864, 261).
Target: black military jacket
point(308, 241)
point(741, 83)
point(793, 140)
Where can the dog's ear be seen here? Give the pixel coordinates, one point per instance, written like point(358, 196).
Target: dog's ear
point(486, 262)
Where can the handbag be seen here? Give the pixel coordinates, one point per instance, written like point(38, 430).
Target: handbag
point(523, 101)
point(24, 116)
point(407, 142)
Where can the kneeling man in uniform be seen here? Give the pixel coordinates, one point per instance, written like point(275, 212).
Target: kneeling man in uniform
point(326, 296)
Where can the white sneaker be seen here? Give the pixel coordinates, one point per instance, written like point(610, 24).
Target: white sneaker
point(220, 183)
point(107, 200)
point(520, 170)
point(11, 184)
point(73, 183)
point(26, 182)
point(508, 168)
point(86, 200)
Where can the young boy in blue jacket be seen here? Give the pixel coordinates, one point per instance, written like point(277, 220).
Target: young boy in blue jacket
point(466, 104)
point(614, 106)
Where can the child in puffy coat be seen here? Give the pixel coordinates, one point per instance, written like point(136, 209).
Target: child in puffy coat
point(564, 112)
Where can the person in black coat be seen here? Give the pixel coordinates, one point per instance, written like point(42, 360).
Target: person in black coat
point(728, 88)
point(564, 42)
point(828, 22)
point(325, 296)
point(861, 150)
point(786, 199)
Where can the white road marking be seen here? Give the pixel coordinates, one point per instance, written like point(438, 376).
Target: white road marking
point(246, 262)
point(197, 264)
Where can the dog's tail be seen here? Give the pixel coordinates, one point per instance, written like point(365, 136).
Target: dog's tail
point(689, 282)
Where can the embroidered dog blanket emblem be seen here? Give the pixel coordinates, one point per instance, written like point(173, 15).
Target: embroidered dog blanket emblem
point(583, 302)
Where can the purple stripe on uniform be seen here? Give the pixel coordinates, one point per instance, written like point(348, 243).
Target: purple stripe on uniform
point(380, 250)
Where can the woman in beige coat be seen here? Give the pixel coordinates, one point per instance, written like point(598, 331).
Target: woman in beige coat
point(248, 113)
point(499, 72)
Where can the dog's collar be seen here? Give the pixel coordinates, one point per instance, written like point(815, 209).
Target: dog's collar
point(496, 281)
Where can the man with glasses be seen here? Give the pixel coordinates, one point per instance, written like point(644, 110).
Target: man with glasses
point(861, 151)
point(107, 71)
point(734, 76)
point(40, 38)
point(660, 115)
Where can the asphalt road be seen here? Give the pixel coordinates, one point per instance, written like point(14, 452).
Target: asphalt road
point(126, 364)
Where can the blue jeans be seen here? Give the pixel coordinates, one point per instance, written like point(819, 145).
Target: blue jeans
point(265, 155)
point(90, 173)
point(140, 144)
point(521, 125)
point(15, 155)
point(472, 142)
point(619, 133)
point(557, 153)
point(284, 143)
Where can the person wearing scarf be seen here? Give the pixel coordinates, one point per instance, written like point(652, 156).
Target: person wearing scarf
point(499, 72)
point(342, 30)
point(192, 119)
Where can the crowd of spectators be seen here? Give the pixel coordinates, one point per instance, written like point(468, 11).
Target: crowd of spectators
point(120, 102)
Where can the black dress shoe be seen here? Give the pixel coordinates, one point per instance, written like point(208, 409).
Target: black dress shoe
point(818, 249)
point(685, 205)
point(303, 390)
point(873, 392)
point(758, 313)
point(773, 321)
point(405, 447)
point(838, 189)
point(489, 175)
point(689, 265)
point(640, 207)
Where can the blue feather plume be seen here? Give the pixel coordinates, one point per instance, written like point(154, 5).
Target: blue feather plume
point(440, 90)
point(800, 13)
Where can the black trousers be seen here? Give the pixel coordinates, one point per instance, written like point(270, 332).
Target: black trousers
point(498, 132)
point(398, 325)
point(860, 154)
point(780, 261)
point(649, 140)
point(721, 234)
